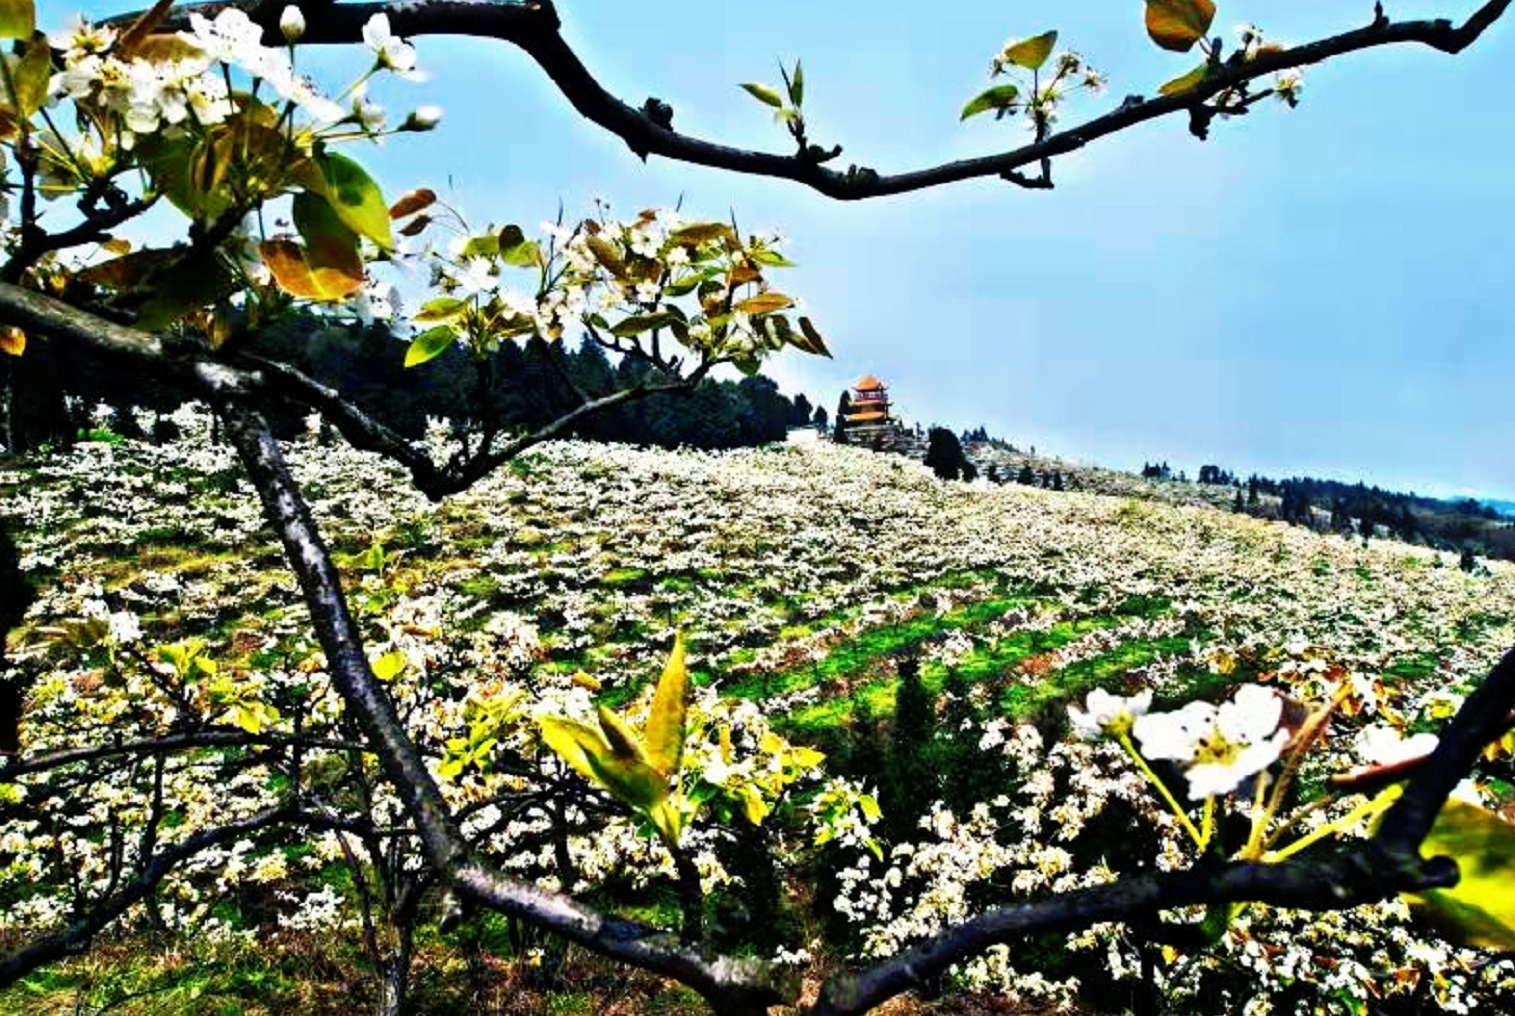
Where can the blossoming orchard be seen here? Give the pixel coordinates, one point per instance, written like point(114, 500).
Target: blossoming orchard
point(492, 720)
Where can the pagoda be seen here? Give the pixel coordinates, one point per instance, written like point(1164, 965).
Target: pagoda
point(870, 421)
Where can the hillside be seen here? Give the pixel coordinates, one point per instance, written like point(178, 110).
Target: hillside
point(800, 575)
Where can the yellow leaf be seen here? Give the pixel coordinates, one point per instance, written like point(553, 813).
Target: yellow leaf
point(664, 733)
point(807, 758)
point(633, 782)
point(1480, 910)
point(573, 741)
point(1504, 747)
point(297, 275)
point(389, 666)
point(667, 819)
point(12, 340)
point(1030, 53)
point(763, 303)
point(585, 680)
point(753, 806)
point(18, 19)
point(247, 718)
point(1177, 25)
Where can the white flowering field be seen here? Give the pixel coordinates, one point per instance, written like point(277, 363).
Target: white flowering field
point(799, 577)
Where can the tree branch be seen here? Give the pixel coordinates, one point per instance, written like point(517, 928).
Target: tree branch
point(534, 27)
point(447, 852)
point(173, 742)
point(1350, 875)
point(76, 937)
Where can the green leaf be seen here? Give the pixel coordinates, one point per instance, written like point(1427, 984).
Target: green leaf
point(573, 742)
point(1030, 53)
point(636, 324)
point(764, 94)
point(443, 308)
point(1480, 910)
point(763, 303)
point(771, 258)
point(486, 246)
point(1177, 25)
point(29, 76)
point(18, 19)
point(356, 198)
point(664, 734)
point(516, 250)
point(1000, 97)
point(429, 345)
point(1186, 82)
point(816, 344)
point(797, 85)
point(187, 285)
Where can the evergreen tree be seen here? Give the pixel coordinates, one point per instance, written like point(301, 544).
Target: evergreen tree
point(1026, 476)
point(800, 411)
point(944, 454)
point(820, 419)
point(843, 407)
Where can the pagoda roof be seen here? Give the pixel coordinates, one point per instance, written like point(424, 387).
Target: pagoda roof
point(866, 417)
point(868, 383)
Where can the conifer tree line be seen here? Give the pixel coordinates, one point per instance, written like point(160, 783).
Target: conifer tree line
point(1360, 509)
point(520, 387)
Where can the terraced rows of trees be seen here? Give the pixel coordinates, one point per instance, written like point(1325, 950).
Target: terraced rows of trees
point(406, 721)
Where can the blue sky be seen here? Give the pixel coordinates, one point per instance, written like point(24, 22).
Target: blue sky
point(1320, 290)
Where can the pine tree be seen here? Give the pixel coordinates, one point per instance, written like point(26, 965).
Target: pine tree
point(944, 454)
point(843, 407)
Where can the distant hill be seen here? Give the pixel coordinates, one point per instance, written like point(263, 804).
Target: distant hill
point(1505, 508)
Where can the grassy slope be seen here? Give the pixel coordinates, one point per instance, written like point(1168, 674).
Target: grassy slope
point(798, 574)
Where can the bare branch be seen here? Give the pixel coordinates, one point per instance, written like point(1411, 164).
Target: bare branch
point(445, 848)
point(1354, 874)
point(534, 27)
point(171, 743)
point(179, 362)
point(76, 937)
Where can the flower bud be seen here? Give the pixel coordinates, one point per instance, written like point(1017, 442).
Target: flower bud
point(292, 23)
point(422, 119)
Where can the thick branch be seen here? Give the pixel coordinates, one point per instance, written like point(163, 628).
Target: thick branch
point(47, 316)
point(535, 28)
point(1483, 717)
point(446, 850)
point(1354, 874)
